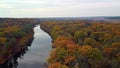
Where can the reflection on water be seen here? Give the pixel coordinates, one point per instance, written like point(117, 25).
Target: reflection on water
point(34, 56)
point(13, 61)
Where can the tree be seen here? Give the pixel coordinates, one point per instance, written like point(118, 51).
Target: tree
point(57, 65)
point(18, 34)
point(97, 36)
point(2, 41)
point(91, 42)
point(95, 58)
point(79, 36)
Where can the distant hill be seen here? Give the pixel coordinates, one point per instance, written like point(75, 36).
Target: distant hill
point(117, 17)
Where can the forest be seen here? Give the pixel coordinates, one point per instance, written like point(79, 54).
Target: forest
point(83, 43)
point(76, 43)
point(14, 35)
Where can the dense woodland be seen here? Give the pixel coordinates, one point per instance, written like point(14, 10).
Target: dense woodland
point(76, 43)
point(14, 35)
point(83, 44)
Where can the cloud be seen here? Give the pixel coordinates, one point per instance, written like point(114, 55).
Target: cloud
point(46, 8)
point(5, 6)
point(24, 1)
point(96, 5)
point(56, 3)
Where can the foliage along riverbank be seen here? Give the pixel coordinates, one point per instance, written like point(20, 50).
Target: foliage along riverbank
point(14, 35)
point(83, 44)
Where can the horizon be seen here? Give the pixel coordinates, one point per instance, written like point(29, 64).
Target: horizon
point(65, 17)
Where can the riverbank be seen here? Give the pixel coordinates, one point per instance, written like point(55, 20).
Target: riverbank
point(16, 47)
point(38, 52)
point(14, 35)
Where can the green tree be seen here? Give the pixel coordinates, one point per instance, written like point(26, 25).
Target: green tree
point(2, 41)
point(79, 36)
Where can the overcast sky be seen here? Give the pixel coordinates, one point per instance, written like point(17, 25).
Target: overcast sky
point(59, 8)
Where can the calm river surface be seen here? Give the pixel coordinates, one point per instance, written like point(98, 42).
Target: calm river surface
point(38, 52)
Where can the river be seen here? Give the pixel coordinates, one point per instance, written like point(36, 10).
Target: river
point(35, 54)
point(38, 53)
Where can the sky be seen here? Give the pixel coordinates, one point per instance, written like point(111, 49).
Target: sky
point(58, 8)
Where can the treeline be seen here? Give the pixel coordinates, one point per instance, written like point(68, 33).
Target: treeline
point(83, 44)
point(14, 35)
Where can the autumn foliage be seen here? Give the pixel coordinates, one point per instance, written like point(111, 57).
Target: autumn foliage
point(83, 43)
point(14, 35)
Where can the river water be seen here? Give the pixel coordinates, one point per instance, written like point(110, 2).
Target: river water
point(38, 52)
